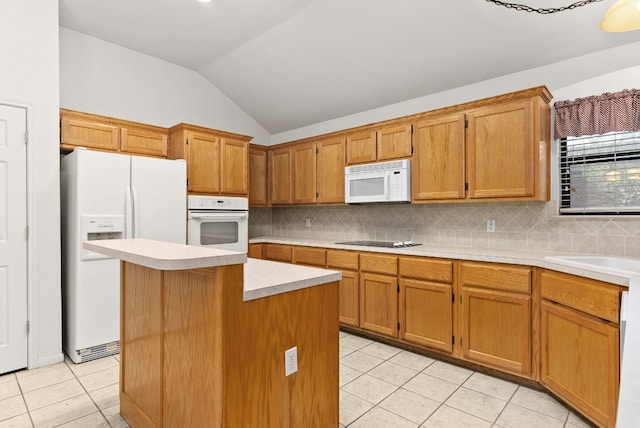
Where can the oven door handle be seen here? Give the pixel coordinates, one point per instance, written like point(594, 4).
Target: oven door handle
point(220, 216)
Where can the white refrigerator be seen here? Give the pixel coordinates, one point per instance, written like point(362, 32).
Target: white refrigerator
point(110, 196)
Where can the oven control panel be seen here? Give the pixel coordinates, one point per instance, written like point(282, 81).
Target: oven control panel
point(197, 202)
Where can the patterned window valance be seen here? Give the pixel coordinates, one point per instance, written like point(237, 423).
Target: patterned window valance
point(618, 111)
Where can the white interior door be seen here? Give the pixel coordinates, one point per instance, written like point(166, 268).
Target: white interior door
point(13, 238)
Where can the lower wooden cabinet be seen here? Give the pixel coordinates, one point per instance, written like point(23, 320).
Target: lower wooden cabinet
point(379, 303)
point(310, 256)
point(580, 345)
point(496, 329)
point(495, 316)
point(278, 253)
point(255, 251)
point(580, 361)
point(349, 287)
point(426, 314)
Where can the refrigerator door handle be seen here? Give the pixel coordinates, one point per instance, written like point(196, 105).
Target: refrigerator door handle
point(136, 214)
point(128, 213)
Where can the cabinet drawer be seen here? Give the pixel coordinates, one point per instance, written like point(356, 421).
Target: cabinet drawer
point(379, 263)
point(426, 268)
point(496, 276)
point(586, 295)
point(342, 259)
point(309, 256)
point(277, 252)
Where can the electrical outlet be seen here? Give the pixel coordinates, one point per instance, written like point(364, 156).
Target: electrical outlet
point(308, 222)
point(291, 361)
point(491, 225)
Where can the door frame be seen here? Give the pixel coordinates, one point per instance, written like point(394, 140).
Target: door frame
point(32, 301)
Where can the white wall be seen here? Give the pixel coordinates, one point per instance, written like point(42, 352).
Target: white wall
point(572, 78)
point(29, 76)
point(102, 78)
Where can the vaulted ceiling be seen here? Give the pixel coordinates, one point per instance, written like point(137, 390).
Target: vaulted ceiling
point(292, 63)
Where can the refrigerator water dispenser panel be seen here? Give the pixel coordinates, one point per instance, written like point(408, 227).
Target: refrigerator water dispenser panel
point(95, 228)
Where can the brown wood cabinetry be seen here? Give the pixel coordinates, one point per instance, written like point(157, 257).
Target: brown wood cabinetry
point(438, 161)
point(580, 344)
point(255, 251)
point(495, 315)
point(387, 143)
point(280, 184)
point(258, 176)
point(330, 170)
point(105, 133)
point(310, 256)
point(426, 304)
point(278, 252)
point(493, 149)
point(349, 287)
point(217, 161)
point(304, 173)
point(379, 293)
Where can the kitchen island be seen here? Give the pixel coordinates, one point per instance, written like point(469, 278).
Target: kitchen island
point(204, 334)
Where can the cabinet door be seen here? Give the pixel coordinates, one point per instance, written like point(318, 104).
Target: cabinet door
point(203, 165)
point(330, 175)
point(496, 329)
point(361, 147)
point(501, 151)
point(258, 178)
point(348, 297)
point(438, 159)
point(379, 303)
point(304, 173)
point(234, 169)
point(426, 313)
point(580, 361)
point(394, 142)
point(143, 141)
point(280, 172)
point(89, 134)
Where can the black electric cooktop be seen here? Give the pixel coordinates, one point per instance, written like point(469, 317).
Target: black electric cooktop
point(385, 244)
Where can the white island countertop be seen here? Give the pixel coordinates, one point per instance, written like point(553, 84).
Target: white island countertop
point(261, 278)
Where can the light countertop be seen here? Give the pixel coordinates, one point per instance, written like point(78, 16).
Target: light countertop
point(261, 278)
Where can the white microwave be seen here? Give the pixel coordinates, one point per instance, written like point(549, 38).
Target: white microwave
point(378, 182)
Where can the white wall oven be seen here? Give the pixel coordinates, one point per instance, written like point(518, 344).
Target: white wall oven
point(220, 222)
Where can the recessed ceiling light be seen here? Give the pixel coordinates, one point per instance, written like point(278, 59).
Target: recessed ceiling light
point(205, 1)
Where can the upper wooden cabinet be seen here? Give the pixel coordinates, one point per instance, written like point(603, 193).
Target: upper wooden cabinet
point(390, 142)
point(308, 173)
point(493, 149)
point(258, 176)
point(217, 161)
point(304, 173)
point(438, 170)
point(280, 184)
point(109, 134)
point(330, 163)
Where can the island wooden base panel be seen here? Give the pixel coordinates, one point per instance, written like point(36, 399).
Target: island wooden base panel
point(194, 354)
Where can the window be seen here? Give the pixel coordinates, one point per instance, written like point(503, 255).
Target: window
point(600, 174)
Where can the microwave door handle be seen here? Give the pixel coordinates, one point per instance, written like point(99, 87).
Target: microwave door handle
point(387, 176)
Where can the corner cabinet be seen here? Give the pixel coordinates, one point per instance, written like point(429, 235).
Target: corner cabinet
point(217, 161)
point(580, 344)
point(489, 150)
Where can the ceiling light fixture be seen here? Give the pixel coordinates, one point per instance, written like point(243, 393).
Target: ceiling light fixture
point(624, 15)
point(543, 10)
point(205, 1)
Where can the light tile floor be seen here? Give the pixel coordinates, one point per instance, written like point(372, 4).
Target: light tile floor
point(380, 386)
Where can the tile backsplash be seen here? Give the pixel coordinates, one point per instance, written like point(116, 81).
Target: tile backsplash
point(519, 226)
